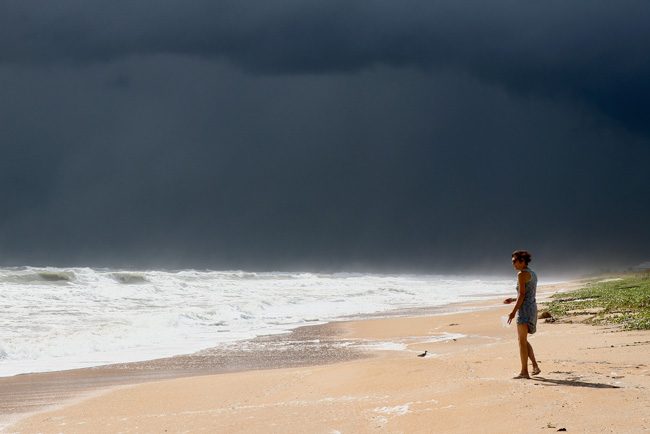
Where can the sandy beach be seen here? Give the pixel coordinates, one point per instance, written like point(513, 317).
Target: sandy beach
point(594, 379)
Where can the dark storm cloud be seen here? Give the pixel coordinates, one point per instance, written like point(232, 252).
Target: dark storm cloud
point(195, 164)
point(340, 135)
point(593, 51)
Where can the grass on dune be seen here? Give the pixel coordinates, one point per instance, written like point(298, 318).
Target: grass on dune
point(625, 301)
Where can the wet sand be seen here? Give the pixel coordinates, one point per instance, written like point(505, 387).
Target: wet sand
point(304, 346)
point(594, 379)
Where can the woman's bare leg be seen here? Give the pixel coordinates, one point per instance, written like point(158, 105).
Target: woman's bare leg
point(531, 356)
point(522, 332)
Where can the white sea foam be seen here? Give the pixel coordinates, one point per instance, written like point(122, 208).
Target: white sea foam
point(385, 346)
point(55, 319)
point(399, 410)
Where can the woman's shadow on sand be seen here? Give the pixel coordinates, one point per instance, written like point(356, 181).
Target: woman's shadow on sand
point(575, 382)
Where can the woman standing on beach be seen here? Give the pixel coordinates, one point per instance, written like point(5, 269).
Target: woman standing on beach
point(526, 307)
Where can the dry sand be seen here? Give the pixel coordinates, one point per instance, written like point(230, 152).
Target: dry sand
point(594, 379)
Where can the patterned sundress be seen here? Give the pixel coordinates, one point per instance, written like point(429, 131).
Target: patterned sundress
point(527, 313)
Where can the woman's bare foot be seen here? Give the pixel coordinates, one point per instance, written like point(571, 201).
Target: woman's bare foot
point(522, 377)
point(536, 370)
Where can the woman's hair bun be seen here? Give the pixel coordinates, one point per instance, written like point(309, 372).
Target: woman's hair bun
point(522, 255)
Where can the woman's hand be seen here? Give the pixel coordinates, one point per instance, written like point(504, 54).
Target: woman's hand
point(509, 300)
point(511, 316)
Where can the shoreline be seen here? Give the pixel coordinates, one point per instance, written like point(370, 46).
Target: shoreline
point(304, 347)
point(473, 302)
point(100, 316)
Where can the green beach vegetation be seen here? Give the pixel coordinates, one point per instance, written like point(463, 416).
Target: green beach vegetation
point(624, 300)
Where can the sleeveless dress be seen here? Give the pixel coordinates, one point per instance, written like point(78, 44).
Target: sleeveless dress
point(527, 313)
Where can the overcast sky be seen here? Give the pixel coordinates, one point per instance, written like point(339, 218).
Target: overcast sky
point(324, 135)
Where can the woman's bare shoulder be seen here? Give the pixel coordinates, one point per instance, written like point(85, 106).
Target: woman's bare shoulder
point(525, 274)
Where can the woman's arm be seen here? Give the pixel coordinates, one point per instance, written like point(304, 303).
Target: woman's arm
point(522, 278)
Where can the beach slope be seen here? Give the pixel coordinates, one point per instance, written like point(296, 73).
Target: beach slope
point(594, 379)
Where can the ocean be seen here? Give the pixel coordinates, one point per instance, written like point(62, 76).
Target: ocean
point(63, 318)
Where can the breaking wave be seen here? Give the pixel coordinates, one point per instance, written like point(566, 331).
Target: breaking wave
point(30, 275)
point(129, 278)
